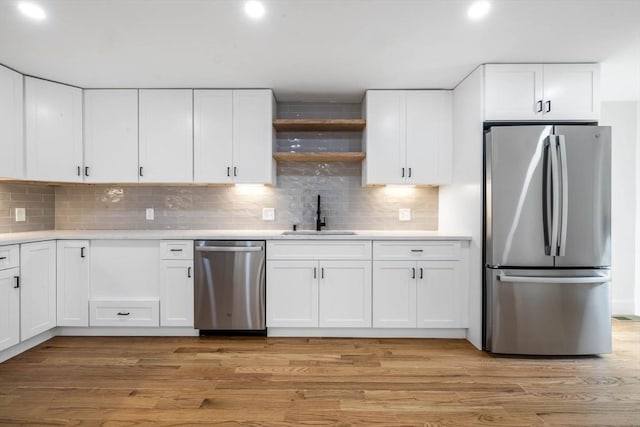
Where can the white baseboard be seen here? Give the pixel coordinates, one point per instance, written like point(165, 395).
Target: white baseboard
point(367, 332)
point(26, 345)
point(127, 332)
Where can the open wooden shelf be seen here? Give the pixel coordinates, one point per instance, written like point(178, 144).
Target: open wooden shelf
point(326, 125)
point(320, 157)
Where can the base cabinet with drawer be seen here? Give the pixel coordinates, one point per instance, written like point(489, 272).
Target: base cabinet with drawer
point(9, 296)
point(319, 284)
point(419, 285)
point(176, 283)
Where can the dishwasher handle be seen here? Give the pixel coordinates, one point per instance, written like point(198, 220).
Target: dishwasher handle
point(229, 248)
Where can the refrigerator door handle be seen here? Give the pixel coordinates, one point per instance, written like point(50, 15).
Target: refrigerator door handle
point(542, 279)
point(562, 244)
point(546, 194)
point(555, 196)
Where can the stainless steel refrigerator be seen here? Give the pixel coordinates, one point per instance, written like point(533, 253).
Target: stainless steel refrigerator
point(547, 251)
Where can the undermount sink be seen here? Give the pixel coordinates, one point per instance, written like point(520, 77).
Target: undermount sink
point(319, 233)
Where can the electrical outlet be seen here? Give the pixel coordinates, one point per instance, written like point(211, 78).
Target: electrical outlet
point(404, 214)
point(150, 214)
point(268, 214)
point(21, 215)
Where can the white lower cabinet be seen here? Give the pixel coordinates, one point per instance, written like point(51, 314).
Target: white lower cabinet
point(292, 293)
point(124, 283)
point(324, 290)
point(9, 307)
point(37, 288)
point(427, 289)
point(73, 282)
point(176, 283)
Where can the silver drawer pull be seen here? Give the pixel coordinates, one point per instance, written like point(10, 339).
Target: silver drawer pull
point(417, 250)
point(120, 313)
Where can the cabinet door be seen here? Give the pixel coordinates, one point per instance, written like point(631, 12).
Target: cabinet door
point(572, 91)
point(11, 124)
point(9, 308)
point(73, 282)
point(513, 92)
point(38, 288)
point(292, 293)
point(385, 137)
point(212, 136)
point(441, 301)
point(54, 131)
point(166, 135)
point(253, 137)
point(176, 293)
point(429, 136)
point(111, 135)
point(394, 294)
point(345, 294)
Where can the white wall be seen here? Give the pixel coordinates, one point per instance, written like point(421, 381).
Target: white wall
point(622, 116)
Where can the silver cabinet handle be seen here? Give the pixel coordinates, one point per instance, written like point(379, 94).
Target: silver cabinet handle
point(545, 279)
point(235, 171)
point(79, 171)
point(315, 273)
point(539, 110)
point(229, 248)
point(322, 273)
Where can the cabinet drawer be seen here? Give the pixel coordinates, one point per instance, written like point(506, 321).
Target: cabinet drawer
point(9, 257)
point(418, 250)
point(176, 249)
point(124, 313)
point(331, 249)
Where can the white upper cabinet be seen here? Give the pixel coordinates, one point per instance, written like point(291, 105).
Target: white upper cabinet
point(408, 137)
point(253, 136)
point(111, 135)
point(166, 135)
point(542, 92)
point(53, 131)
point(11, 124)
point(233, 136)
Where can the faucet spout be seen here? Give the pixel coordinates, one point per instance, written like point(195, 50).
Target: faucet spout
point(320, 223)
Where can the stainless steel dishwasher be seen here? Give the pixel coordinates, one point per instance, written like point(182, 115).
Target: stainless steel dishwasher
point(230, 286)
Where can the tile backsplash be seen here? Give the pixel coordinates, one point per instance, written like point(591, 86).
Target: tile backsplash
point(38, 200)
point(345, 203)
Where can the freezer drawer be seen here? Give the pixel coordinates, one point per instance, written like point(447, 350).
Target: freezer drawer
point(548, 312)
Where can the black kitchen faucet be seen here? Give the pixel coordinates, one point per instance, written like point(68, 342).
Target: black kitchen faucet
point(320, 223)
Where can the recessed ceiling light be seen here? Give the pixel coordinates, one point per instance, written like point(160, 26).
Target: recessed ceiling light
point(32, 10)
point(478, 10)
point(254, 9)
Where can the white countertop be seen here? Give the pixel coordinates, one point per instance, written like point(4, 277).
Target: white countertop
point(36, 236)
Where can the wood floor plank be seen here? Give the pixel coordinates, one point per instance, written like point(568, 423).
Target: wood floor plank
point(156, 381)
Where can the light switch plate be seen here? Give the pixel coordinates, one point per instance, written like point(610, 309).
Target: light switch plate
point(404, 214)
point(268, 214)
point(150, 214)
point(21, 215)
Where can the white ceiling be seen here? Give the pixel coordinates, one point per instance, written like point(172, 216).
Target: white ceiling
point(308, 50)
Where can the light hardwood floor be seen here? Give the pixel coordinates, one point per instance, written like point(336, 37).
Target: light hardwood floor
point(279, 381)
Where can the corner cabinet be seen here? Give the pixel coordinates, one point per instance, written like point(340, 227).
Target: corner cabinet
point(11, 124)
point(53, 131)
point(408, 137)
point(37, 288)
point(166, 135)
point(233, 136)
point(541, 92)
point(319, 284)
